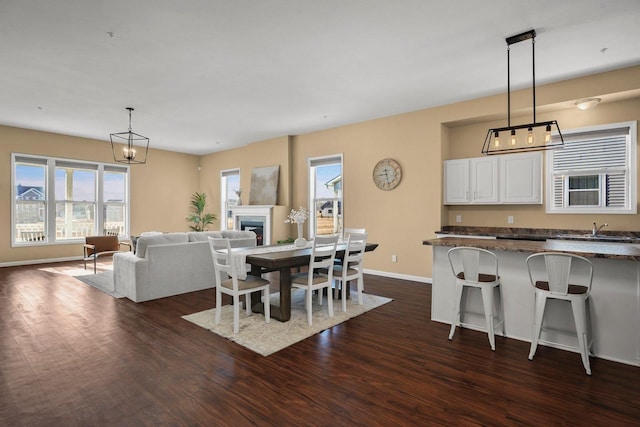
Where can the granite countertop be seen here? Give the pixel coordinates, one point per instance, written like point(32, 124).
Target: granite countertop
point(542, 234)
point(586, 249)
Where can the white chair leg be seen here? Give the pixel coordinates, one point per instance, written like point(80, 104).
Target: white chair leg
point(309, 297)
point(267, 306)
point(487, 302)
point(580, 316)
point(247, 303)
point(589, 331)
point(456, 310)
point(344, 287)
point(218, 305)
point(538, 312)
point(500, 307)
point(236, 314)
point(320, 296)
point(360, 289)
point(330, 304)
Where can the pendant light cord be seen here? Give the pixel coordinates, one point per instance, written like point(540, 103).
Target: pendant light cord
point(508, 86)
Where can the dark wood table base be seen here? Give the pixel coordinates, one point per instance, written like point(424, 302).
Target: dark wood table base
point(283, 311)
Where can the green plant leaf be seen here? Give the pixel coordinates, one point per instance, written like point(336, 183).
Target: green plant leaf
point(197, 216)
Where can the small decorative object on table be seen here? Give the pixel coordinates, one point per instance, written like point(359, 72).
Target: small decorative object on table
point(239, 194)
point(298, 217)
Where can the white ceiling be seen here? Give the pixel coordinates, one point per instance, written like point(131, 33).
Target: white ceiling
point(209, 75)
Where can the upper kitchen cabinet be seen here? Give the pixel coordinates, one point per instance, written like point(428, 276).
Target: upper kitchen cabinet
point(471, 181)
point(501, 179)
point(521, 178)
point(456, 181)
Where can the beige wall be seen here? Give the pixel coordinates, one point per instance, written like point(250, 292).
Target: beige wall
point(159, 200)
point(397, 220)
point(273, 152)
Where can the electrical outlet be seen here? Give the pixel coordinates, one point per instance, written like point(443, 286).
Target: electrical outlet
point(510, 219)
point(458, 218)
point(394, 258)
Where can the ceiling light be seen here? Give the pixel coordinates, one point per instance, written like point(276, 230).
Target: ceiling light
point(585, 104)
point(536, 136)
point(130, 139)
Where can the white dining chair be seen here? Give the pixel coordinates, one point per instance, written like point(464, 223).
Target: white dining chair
point(466, 263)
point(229, 283)
point(565, 277)
point(323, 254)
point(350, 268)
point(347, 231)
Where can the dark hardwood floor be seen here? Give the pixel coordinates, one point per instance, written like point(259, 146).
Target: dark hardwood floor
point(73, 356)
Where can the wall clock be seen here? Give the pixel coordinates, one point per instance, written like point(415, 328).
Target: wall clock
point(387, 174)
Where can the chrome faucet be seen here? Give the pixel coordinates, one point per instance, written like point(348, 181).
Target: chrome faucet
point(594, 231)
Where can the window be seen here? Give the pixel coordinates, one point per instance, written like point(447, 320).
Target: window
point(30, 208)
point(229, 184)
point(75, 194)
point(59, 200)
point(114, 207)
point(595, 172)
point(325, 195)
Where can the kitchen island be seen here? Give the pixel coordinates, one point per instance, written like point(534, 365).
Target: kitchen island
point(615, 294)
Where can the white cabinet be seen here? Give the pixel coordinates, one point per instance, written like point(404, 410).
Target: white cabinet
point(456, 181)
point(521, 178)
point(471, 180)
point(501, 179)
point(484, 180)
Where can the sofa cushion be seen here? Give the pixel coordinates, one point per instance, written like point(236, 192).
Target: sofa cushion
point(201, 236)
point(160, 239)
point(240, 234)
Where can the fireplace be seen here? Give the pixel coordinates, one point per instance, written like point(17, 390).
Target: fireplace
point(255, 224)
point(256, 218)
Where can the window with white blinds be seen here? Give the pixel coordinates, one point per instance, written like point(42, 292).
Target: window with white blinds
point(595, 172)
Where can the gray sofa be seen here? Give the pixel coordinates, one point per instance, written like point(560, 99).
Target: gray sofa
point(170, 264)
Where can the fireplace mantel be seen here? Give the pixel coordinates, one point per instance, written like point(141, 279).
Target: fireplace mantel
point(259, 213)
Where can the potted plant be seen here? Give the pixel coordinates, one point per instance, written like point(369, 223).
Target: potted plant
point(197, 217)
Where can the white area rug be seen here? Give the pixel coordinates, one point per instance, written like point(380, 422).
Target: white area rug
point(101, 281)
point(268, 338)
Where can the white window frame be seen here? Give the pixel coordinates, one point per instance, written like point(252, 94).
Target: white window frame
point(50, 201)
point(630, 170)
point(224, 195)
point(312, 162)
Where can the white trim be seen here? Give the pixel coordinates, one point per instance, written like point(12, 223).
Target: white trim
point(39, 261)
point(421, 279)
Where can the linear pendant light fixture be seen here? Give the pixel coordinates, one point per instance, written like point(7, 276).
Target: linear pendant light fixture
point(529, 137)
point(130, 139)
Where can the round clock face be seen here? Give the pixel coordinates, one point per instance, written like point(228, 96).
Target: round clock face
point(387, 174)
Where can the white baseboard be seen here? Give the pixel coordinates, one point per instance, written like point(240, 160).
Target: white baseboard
point(39, 261)
point(399, 276)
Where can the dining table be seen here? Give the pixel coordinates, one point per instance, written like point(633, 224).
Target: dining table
point(284, 261)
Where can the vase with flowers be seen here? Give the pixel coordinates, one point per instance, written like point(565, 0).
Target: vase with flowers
point(298, 216)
